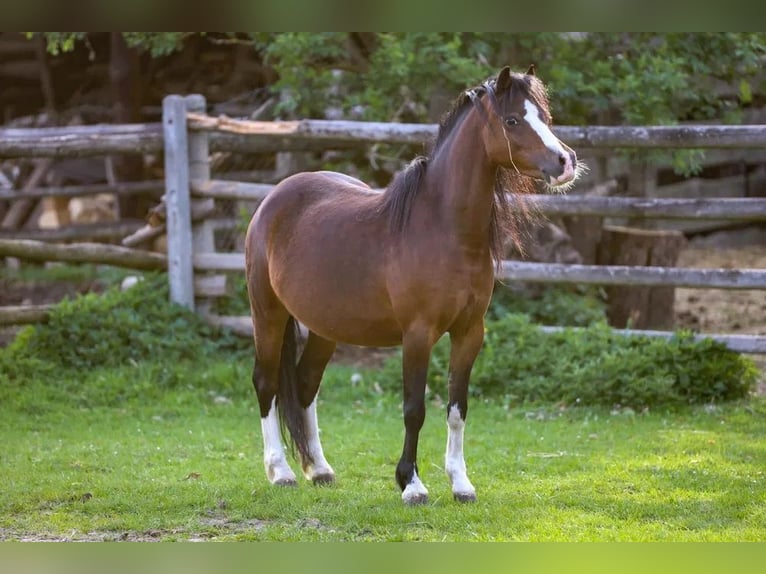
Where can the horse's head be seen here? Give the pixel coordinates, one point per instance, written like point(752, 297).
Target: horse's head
point(517, 133)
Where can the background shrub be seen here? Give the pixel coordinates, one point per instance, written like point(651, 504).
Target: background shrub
point(116, 328)
point(591, 366)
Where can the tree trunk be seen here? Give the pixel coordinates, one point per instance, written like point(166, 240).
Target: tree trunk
point(124, 68)
point(640, 307)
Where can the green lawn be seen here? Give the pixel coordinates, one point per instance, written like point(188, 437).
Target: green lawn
point(149, 452)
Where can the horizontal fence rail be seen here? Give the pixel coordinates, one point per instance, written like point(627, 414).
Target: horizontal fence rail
point(71, 191)
point(750, 209)
point(83, 253)
point(738, 343)
point(243, 325)
point(565, 273)
point(226, 135)
point(634, 276)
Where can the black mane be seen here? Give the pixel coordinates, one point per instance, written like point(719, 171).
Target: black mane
point(398, 198)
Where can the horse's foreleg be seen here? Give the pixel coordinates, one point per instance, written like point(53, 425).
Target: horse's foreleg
point(465, 347)
point(416, 354)
point(268, 345)
point(314, 359)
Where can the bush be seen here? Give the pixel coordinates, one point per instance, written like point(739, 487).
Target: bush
point(577, 306)
point(112, 329)
point(592, 366)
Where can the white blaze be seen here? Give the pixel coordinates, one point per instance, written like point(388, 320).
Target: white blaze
point(532, 117)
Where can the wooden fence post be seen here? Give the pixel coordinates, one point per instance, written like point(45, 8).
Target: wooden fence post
point(203, 238)
point(180, 269)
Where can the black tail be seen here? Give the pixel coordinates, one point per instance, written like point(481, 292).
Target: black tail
point(290, 409)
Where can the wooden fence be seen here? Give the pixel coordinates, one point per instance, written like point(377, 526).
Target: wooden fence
point(186, 128)
point(187, 137)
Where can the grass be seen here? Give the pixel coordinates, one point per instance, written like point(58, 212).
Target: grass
point(147, 452)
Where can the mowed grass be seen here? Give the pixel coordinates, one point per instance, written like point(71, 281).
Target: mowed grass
point(173, 452)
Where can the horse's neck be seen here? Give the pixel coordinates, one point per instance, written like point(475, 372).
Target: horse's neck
point(461, 180)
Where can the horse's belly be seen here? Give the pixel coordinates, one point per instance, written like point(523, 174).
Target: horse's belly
point(352, 314)
point(358, 332)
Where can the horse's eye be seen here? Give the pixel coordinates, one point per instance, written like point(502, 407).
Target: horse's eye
point(511, 121)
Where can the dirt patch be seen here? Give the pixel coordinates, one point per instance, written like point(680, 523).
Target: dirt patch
point(213, 526)
point(722, 310)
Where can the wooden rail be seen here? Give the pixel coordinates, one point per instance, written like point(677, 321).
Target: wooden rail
point(125, 188)
point(582, 274)
point(755, 344)
point(82, 253)
point(248, 136)
point(743, 209)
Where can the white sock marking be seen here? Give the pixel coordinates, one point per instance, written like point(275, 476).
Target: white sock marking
point(274, 458)
point(320, 465)
point(454, 463)
point(415, 492)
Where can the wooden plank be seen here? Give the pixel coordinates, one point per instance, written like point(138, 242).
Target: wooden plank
point(78, 141)
point(179, 236)
point(219, 261)
point(24, 314)
point(82, 253)
point(625, 275)
point(560, 273)
point(225, 189)
point(81, 141)
point(755, 344)
point(746, 209)
point(211, 286)
point(78, 232)
point(750, 209)
point(199, 170)
point(203, 236)
point(126, 188)
point(673, 137)
point(686, 136)
point(243, 326)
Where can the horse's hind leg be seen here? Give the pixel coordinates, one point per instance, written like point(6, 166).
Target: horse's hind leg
point(269, 335)
point(311, 366)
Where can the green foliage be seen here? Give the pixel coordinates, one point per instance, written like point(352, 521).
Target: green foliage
point(594, 78)
point(593, 366)
point(60, 42)
point(552, 305)
point(156, 43)
point(113, 329)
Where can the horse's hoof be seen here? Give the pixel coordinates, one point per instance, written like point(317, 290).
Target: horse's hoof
point(286, 482)
point(464, 496)
point(416, 499)
point(324, 479)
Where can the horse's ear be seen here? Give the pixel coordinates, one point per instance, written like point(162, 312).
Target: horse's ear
point(503, 80)
point(531, 71)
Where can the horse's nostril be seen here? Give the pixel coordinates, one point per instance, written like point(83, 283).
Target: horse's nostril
point(562, 160)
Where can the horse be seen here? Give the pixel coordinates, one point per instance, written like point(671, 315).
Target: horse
point(401, 267)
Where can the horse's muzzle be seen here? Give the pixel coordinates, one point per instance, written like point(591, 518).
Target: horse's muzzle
point(565, 171)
